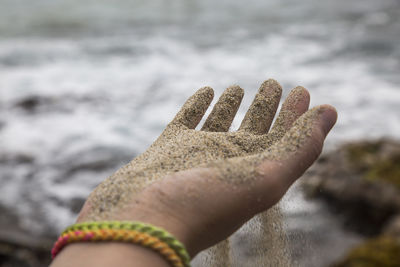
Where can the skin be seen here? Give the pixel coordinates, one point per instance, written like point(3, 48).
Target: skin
point(202, 198)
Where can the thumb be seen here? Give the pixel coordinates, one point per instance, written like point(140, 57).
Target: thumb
point(303, 143)
point(285, 161)
point(264, 178)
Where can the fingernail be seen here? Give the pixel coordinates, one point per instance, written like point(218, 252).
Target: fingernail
point(329, 117)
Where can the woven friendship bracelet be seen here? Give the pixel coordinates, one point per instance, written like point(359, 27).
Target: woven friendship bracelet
point(142, 234)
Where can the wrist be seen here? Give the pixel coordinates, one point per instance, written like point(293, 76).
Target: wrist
point(107, 254)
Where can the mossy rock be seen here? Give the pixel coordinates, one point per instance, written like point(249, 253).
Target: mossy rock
point(377, 252)
point(359, 153)
point(387, 170)
point(374, 163)
point(360, 181)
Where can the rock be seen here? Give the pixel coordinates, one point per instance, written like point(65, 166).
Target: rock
point(96, 159)
point(19, 248)
point(30, 103)
point(16, 159)
point(377, 252)
point(75, 204)
point(393, 227)
point(360, 181)
point(14, 255)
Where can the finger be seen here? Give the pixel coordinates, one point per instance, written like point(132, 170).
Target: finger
point(301, 145)
point(294, 106)
point(194, 108)
point(259, 117)
point(223, 113)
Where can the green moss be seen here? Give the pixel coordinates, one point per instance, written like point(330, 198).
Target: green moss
point(386, 170)
point(365, 157)
point(361, 152)
point(377, 252)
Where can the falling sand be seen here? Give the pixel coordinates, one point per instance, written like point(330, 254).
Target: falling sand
point(234, 156)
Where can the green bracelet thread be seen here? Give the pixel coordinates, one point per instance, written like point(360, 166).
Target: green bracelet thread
point(124, 231)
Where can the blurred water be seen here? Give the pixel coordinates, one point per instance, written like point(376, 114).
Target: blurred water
point(87, 85)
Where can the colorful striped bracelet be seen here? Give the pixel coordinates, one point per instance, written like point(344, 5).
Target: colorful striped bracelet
point(142, 234)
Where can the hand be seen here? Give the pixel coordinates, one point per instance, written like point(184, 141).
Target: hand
point(203, 185)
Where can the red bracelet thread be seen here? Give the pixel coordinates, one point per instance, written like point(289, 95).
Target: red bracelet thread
point(120, 235)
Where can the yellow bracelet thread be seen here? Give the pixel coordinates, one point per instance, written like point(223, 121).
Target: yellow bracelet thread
point(142, 234)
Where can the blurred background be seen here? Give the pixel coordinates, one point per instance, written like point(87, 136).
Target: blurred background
point(87, 85)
